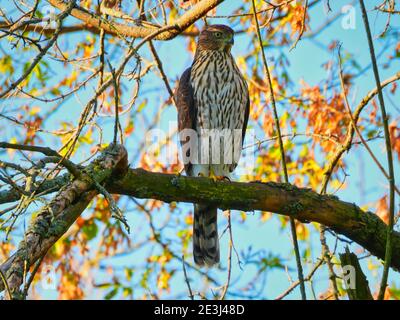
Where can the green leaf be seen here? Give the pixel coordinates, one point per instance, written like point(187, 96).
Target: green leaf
point(127, 292)
point(372, 133)
point(111, 294)
point(128, 273)
point(90, 230)
point(6, 65)
point(142, 105)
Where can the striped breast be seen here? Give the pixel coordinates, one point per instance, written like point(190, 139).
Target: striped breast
point(220, 93)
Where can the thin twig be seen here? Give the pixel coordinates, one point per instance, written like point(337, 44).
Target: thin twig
point(187, 279)
point(296, 283)
point(117, 125)
point(388, 252)
point(156, 56)
point(32, 276)
point(282, 151)
point(228, 280)
point(42, 52)
point(327, 256)
point(69, 165)
point(4, 280)
point(357, 130)
point(303, 27)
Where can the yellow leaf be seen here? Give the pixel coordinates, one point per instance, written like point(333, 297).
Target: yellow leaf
point(11, 152)
point(34, 110)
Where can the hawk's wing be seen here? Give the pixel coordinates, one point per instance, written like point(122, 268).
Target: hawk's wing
point(246, 117)
point(244, 127)
point(187, 111)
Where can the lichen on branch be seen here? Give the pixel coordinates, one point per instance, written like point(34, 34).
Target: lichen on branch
point(54, 219)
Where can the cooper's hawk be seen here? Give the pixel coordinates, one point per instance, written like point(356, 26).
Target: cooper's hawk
point(213, 110)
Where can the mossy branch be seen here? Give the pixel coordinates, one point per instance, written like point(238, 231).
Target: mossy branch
point(54, 219)
point(345, 218)
point(365, 228)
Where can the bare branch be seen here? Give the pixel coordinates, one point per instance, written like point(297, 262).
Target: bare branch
point(388, 254)
point(66, 11)
point(365, 228)
point(54, 219)
point(198, 11)
point(282, 151)
point(69, 165)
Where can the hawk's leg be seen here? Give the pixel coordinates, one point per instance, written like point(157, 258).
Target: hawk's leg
point(216, 178)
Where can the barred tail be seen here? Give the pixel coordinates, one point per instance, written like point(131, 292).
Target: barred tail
point(205, 236)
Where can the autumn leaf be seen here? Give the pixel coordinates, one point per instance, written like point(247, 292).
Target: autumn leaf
point(382, 210)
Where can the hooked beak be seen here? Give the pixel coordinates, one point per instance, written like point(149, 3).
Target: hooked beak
point(231, 41)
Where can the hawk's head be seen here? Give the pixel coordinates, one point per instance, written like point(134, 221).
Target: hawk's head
point(216, 37)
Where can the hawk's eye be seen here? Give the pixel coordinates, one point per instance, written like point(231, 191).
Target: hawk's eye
point(218, 34)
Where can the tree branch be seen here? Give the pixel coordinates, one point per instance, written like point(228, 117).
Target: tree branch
point(199, 10)
point(55, 218)
point(281, 149)
point(365, 228)
point(66, 11)
point(361, 290)
point(69, 165)
point(385, 120)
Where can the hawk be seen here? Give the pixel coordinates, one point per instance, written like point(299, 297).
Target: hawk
point(213, 110)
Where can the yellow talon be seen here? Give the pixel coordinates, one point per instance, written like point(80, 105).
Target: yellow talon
point(216, 178)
